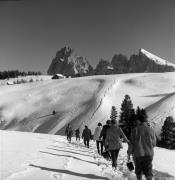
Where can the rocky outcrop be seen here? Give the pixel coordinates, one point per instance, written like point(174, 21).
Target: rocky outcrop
point(69, 64)
point(148, 62)
point(144, 61)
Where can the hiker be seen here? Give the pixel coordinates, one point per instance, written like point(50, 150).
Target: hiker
point(113, 141)
point(104, 131)
point(77, 134)
point(106, 153)
point(69, 132)
point(86, 135)
point(53, 112)
point(142, 143)
point(97, 138)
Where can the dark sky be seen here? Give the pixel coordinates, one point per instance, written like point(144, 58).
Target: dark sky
point(31, 31)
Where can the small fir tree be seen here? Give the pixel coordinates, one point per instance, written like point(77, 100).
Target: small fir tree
point(127, 115)
point(113, 115)
point(167, 131)
point(138, 112)
point(141, 114)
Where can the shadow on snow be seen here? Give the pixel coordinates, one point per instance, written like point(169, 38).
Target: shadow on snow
point(68, 151)
point(67, 156)
point(90, 176)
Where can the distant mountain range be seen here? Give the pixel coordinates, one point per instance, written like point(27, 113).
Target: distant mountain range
point(68, 63)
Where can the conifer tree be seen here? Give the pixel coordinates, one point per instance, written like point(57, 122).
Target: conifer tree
point(140, 113)
point(167, 131)
point(113, 115)
point(127, 115)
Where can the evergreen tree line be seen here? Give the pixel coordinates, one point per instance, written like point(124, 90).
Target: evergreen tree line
point(128, 117)
point(16, 73)
point(135, 64)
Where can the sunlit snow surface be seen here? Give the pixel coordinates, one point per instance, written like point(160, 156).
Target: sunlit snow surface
point(81, 101)
point(86, 100)
point(26, 156)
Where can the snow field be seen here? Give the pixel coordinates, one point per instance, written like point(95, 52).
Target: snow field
point(81, 101)
point(86, 100)
point(50, 157)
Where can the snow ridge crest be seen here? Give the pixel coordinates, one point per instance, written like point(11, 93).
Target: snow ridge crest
point(155, 58)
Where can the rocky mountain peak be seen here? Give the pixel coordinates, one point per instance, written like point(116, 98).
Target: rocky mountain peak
point(155, 58)
point(68, 63)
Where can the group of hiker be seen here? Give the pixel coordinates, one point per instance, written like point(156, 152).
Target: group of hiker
point(86, 135)
point(109, 140)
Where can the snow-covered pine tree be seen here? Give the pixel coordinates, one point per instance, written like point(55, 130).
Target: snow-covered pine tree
point(167, 131)
point(113, 115)
point(127, 115)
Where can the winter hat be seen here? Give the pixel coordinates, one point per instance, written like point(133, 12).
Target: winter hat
point(108, 122)
point(113, 121)
point(99, 124)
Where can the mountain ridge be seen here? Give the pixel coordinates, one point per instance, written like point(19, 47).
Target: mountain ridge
point(155, 58)
point(68, 63)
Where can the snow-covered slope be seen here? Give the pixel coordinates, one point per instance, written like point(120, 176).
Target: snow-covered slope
point(86, 100)
point(32, 156)
point(155, 58)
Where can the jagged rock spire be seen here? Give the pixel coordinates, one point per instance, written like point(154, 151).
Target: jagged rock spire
point(68, 64)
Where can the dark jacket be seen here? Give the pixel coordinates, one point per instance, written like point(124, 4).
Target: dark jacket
point(104, 131)
point(86, 134)
point(77, 133)
point(143, 141)
point(68, 131)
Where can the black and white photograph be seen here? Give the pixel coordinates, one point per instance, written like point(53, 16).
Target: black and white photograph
point(87, 89)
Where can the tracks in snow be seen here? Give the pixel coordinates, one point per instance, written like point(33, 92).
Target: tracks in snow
point(60, 160)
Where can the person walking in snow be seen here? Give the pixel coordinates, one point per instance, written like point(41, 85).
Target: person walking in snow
point(53, 112)
point(142, 143)
point(104, 131)
point(86, 136)
point(77, 134)
point(69, 132)
point(113, 141)
point(99, 142)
